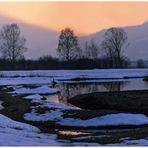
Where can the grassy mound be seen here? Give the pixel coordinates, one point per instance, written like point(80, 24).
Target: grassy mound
point(126, 101)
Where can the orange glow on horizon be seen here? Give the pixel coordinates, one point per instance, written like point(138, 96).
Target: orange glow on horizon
point(83, 17)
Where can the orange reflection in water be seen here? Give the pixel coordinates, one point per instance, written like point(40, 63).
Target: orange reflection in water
point(73, 133)
point(57, 99)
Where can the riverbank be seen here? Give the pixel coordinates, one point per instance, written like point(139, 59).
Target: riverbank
point(16, 107)
point(135, 101)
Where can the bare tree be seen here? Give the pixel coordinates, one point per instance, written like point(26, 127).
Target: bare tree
point(91, 50)
point(12, 44)
point(86, 50)
point(94, 49)
point(115, 40)
point(108, 53)
point(68, 46)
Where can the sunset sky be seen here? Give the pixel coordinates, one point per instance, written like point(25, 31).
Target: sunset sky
point(84, 17)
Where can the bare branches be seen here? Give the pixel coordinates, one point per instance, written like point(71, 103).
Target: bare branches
point(91, 50)
point(68, 47)
point(12, 44)
point(115, 40)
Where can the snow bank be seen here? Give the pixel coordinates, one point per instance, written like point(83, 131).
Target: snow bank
point(14, 133)
point(48, 116)
point(38, 90)
point(25, 80)
point(107, 120)
point(8, 123)
point(34, 98)
point(138, 142)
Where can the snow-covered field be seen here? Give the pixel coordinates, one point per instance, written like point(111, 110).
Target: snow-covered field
point(14, 133)
point(24, 134)
point(46, 76)
point(56, 115)
point(35, 95)
point(96, 73)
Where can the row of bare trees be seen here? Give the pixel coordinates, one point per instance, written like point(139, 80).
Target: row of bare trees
point(91, 50)
point(13, 45)
point(111, 48)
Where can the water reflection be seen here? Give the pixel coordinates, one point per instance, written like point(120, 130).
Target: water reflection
point(73, 133)
point(115, 86)
point(146, 84)
point(69, 90)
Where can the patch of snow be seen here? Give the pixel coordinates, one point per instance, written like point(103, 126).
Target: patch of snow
point(78, 144)
point(126, 138)
point(25, 80)
point(38, 90)
point(60, 106)
point(55, 114)
point(34, 98)
point(48, 116)
point(138, 142)
point(107, 120)
point(14, 133)
point(38, 97)
point(6, 122)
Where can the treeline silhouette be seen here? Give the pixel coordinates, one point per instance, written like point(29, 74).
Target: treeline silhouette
point(109, 54)
point(51, 63)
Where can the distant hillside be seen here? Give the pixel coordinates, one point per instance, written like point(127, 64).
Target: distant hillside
point(39, 41)
point(42, 41)
point(138, 39)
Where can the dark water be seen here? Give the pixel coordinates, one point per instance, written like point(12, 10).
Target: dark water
point(69, 90)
